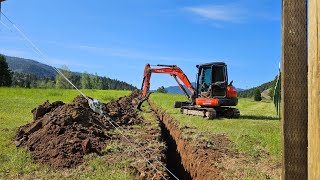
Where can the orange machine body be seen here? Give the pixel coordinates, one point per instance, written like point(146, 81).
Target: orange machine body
point(215, 102)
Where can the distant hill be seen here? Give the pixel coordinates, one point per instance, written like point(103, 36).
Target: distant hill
point(250, 92)
point(29, 66)
point(177, 90)
point(240, 89)
point(39, 71)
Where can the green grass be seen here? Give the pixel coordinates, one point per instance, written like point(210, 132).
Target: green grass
point(256, 133)
point(15, 110)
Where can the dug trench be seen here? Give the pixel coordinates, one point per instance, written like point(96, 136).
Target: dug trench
point(174, 161)
point(188, 158)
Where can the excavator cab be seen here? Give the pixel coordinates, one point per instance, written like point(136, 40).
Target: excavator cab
point(212, 80)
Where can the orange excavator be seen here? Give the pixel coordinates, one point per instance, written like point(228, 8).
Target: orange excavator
point(212, 97)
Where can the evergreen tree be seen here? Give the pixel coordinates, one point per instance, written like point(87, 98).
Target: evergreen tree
point(92, 80)
point(5, 73)
point(61, 83)
point(161, 90)
point(97, 82)
point(85, 81)
point(75, 79)
point(104, 83)
point(257, 95)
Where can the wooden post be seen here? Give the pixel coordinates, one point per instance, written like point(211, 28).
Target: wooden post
point(314, 89)
point(294, 87)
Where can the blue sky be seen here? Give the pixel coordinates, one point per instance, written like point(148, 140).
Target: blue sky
point(117, 38)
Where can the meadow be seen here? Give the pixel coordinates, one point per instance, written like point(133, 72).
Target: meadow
point(256, 134)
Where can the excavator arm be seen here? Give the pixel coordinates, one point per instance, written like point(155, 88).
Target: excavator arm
point(173, 71)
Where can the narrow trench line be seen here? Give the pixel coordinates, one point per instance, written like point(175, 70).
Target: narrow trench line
point(174, 163)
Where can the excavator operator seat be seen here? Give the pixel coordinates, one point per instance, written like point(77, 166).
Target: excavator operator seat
point(212, 80)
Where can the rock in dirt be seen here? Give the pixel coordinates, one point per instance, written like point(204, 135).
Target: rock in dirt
point(61, 134)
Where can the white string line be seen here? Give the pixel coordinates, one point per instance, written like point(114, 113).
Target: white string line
point(42, 55)
point(151, 155)
point(44, 58)
point(39, 52)
point(5, 25)
point(134, 146)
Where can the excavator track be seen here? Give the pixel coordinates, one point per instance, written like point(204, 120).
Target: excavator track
point(211, 113)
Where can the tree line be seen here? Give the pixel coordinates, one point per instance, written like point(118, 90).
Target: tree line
point(83, 81)
point(249, 93)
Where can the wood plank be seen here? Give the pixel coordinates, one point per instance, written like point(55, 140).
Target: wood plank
point(294, 89)
point(314, 90)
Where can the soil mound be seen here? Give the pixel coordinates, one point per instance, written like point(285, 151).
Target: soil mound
point(61, 134)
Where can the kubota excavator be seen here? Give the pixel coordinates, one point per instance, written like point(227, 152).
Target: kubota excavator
point(211, 97)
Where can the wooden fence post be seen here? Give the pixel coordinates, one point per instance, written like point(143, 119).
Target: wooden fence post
point(294, 95)
point(314, 89)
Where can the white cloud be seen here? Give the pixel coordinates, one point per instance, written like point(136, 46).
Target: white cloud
point(223, 13)
point(132, 54)
point(240, 11)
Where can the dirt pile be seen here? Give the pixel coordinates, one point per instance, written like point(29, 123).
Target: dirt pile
point(61, 134)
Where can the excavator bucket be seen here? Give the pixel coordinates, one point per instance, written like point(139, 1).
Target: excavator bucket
point(137, 102)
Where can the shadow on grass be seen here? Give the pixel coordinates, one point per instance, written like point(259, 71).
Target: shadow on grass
point(268, 118)
point(242, 117)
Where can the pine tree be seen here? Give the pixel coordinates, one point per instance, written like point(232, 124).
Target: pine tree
point(5, 73)
point(85, 81)
point(257, 95)
point(61, 83)
point(96, 82)
point(161, 90)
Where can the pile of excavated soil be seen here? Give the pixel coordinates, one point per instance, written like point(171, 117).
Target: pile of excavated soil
point(61, 134)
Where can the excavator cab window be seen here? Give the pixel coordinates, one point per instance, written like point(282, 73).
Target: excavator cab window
point(205, 81)
point(218, 74)
point(219, 81)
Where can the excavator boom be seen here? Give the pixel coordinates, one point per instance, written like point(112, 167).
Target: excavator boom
point(173, 71)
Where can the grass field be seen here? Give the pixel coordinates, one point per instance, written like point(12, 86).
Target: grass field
point(257, 134)
point(15, 110)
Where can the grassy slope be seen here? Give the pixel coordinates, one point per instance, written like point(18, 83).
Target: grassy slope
point(257, 132)
point(15, 107)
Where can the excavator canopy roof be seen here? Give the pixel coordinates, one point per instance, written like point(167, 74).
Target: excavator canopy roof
point(212, 64)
